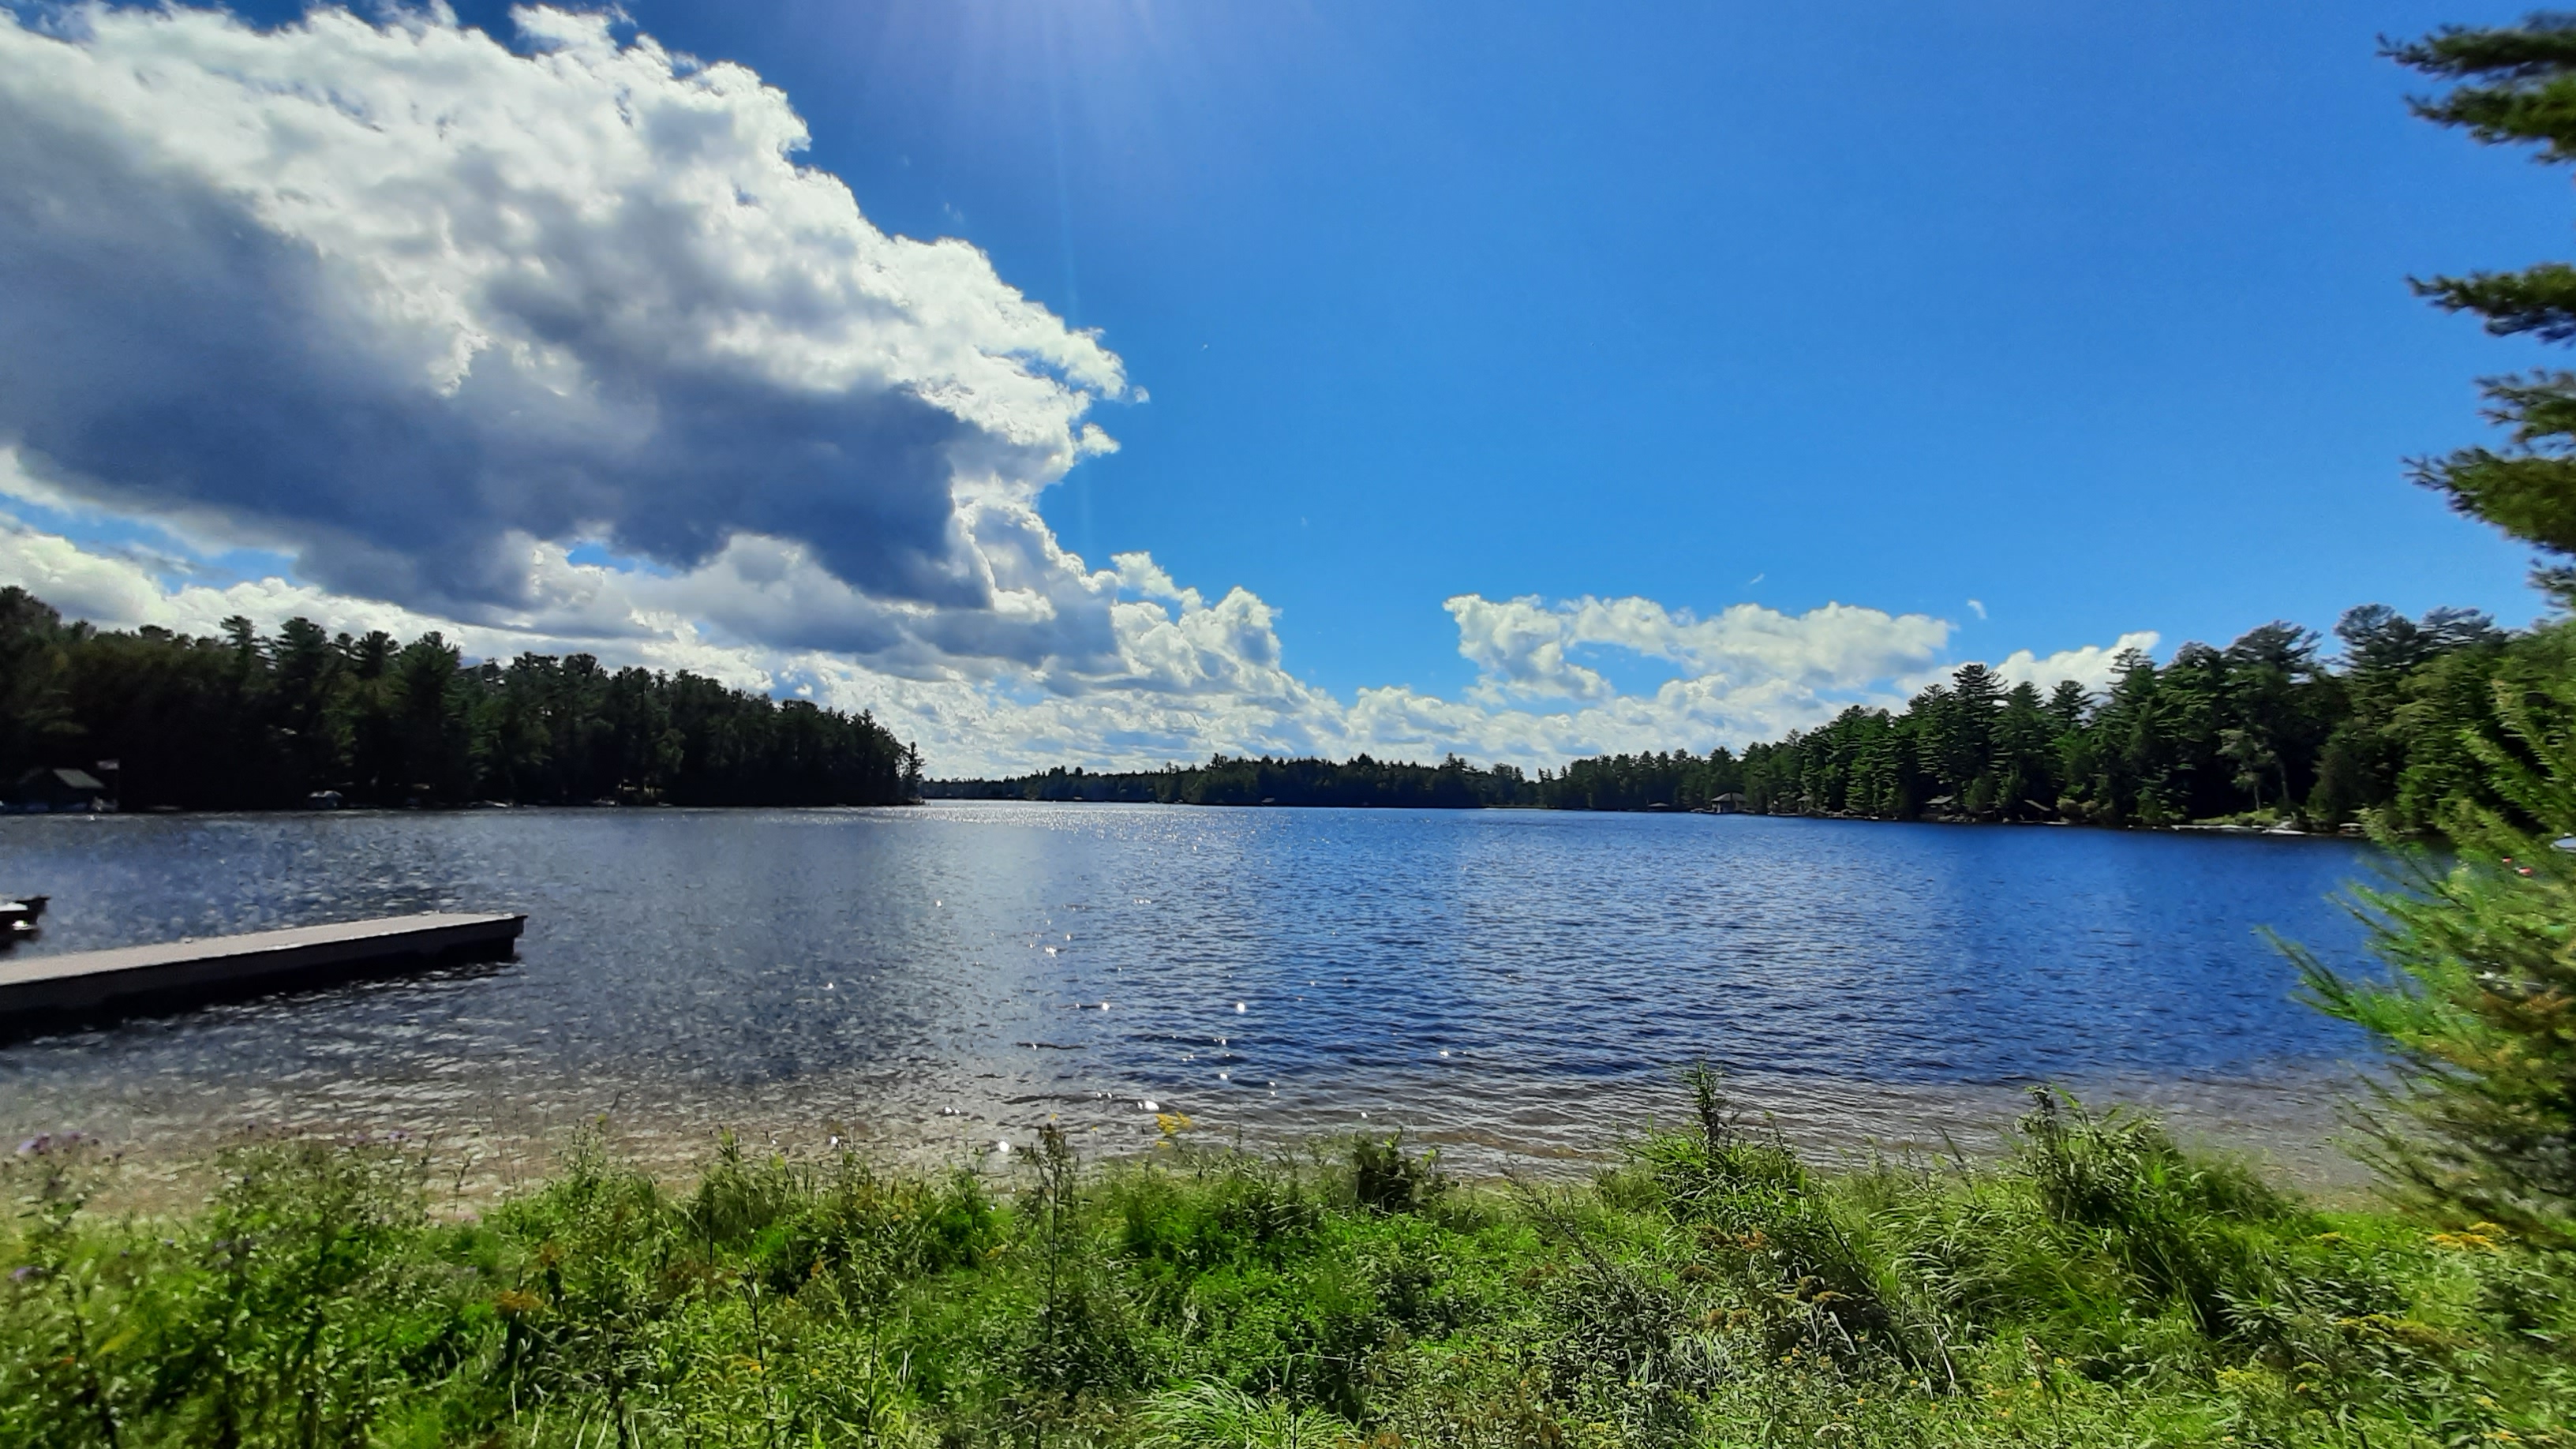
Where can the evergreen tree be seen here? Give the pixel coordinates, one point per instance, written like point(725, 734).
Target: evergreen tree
point(2068, 705)
point(2480, 1020)
point(2025, 755)
point(2514, 85)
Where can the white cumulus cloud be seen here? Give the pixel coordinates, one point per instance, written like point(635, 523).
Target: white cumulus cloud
point(2090, 666)
point(1526, 647)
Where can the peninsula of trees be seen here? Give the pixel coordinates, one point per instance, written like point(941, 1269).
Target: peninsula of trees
point(247, 721)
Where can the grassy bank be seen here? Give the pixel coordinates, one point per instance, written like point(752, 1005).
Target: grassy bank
point(2097, 1285)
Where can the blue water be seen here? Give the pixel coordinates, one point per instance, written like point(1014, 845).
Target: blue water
point(942, 978)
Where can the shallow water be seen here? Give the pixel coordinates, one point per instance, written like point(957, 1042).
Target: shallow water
point(1517, 986)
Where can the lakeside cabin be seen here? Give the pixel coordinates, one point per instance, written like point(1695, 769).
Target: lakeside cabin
point(57, 792)
point(1729, 803)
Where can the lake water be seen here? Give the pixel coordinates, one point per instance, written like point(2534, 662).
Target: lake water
point(1514, 986)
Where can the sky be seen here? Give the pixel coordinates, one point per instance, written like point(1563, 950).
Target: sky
point(1111, 383)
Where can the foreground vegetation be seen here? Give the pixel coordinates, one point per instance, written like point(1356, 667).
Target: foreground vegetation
point(2097, 1285)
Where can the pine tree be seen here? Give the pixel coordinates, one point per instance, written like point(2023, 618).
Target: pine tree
point(2516, 86)
point(2480, 1017)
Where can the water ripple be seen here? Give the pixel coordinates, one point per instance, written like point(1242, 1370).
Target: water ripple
point(1497, 980)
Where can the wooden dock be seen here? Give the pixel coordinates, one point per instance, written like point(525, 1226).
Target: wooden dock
point(41, 990)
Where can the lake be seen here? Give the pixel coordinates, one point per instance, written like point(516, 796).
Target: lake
point(1515, 986)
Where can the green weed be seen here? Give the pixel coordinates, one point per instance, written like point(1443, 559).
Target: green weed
point(2097, 1284)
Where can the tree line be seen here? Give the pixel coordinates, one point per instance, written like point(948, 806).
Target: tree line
point(253, 721)
point(1453, 784)
point(2269, 728)
point(2266, 729)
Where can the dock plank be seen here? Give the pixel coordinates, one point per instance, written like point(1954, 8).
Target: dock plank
point(183, 973)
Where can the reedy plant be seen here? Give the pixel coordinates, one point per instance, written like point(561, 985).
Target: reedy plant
point(1752, 1203)
point(2175, 1225)
point(1209, 1413)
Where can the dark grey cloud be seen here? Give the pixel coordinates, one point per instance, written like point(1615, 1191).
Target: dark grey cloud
point(404, 302)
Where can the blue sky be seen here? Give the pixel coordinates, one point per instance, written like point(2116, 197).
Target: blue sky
point(2092, 314)
point(2095, 313)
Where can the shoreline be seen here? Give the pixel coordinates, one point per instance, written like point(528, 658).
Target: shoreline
point(589, 807)
point(2281, 1129)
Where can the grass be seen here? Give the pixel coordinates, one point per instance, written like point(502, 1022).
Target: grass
point(2097, 1285)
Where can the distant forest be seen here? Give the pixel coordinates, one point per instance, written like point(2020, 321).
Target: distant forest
point(248, 721)
point(2269, 728)
point(2272, 727)
point(1451, 785)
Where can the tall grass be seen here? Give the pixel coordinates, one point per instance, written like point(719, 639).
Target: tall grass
point(2098, 1284)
